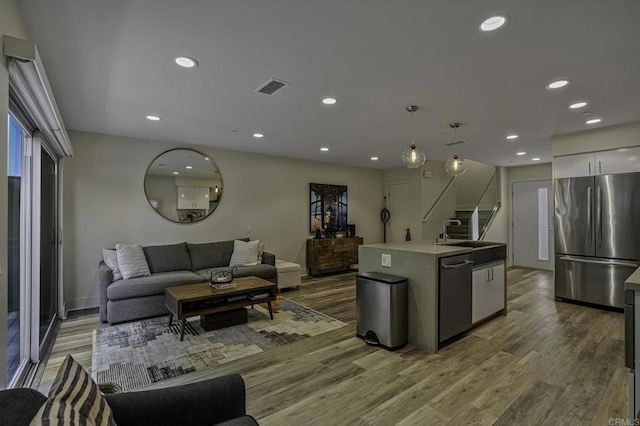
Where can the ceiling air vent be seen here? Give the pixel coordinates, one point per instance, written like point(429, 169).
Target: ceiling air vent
point(454, 143)
point(272, 86)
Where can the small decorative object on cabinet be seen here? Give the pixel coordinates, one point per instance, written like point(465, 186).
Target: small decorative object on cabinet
point(332, 254)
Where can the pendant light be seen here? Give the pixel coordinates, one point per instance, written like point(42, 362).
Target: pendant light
point(412, 158)
point(455, 165)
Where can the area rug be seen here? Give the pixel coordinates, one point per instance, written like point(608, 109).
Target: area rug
point(140, 353)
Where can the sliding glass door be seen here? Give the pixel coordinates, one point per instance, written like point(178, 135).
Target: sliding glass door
point(16, 355)
point(32, 275)
point(48, 243)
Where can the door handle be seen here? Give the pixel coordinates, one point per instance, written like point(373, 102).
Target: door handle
point(589, 168)
point(491, 274)
point(589, 227)
point(599, 167)
point(487, 280)
point(599, 217)
point(599, 262)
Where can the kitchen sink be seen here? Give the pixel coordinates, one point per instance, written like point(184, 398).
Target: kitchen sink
point(473, 244)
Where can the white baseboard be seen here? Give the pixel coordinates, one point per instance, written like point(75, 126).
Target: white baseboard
point(80, 304)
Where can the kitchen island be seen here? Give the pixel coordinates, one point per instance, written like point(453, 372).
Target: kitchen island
point(420, 262)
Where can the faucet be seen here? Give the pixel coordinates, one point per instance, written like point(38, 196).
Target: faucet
point(444, 227)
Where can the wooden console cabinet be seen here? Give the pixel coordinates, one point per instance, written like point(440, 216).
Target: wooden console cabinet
point(331, 254)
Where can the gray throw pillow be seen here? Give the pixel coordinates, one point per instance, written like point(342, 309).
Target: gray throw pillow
point(131, 261)
point(111, 260)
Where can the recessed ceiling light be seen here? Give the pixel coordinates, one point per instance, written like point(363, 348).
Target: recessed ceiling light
point(374, 158)
point(329, 101)
point(594, 121)
point(557, 84)
point(186, 62)
point(153, 118)
point(584, 114)
point(176, 173)
point(520, 153)
point(324, 148)
point(258, 135)
point(494, 22)
point(207, 159)
point(535, 159)
point(512, 137)
point(189, 167)
point(578, 105)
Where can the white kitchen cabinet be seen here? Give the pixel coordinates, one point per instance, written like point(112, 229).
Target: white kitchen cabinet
point(623, 160)
point(193, 197)
point(574, 165)
point(487, 296)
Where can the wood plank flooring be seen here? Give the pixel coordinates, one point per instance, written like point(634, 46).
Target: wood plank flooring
point(546, 362)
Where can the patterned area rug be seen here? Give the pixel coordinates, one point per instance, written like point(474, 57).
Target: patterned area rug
point(140, 353)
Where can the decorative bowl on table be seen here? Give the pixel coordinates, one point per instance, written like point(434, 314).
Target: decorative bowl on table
point(221, 275)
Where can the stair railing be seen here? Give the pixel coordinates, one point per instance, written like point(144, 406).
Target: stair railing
point(476, 232)
point(439, 199)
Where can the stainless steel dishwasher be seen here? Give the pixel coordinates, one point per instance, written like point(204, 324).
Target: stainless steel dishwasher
point(454, 307)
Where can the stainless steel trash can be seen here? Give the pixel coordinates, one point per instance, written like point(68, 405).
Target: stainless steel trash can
point(381, 309)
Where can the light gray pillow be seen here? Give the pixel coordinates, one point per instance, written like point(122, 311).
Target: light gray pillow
point(111, 260)
point(131, 261)
point(245, 253)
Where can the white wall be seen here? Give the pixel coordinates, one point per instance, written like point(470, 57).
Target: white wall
point(612, 137)
point(105, 204)
point(471, 185)
point(10, 24)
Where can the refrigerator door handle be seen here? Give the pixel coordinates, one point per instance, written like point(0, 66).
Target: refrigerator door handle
point(599, 217)
point(600, 262)
point(590, 232)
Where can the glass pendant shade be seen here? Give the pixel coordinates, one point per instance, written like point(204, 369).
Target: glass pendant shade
point(412, 158)
point(455, 166)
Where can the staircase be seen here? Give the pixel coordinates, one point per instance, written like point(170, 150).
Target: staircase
point(463, 231)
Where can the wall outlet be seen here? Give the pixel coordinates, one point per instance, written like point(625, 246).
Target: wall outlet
point(386, 260)
point(248, 229)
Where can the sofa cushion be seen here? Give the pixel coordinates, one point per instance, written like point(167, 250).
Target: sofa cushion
point(74, 398)
point(166, 258)
point(111, 260)
point(211, 255)
point(263, 271)
point(131, 261)
point(19, 405)
point(150, 285)
point(245, 253)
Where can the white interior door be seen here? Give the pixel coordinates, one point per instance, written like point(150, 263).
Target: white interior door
point(532, 224)
point(400, 206)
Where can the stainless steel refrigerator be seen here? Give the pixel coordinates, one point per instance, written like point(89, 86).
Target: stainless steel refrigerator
point(597, 237)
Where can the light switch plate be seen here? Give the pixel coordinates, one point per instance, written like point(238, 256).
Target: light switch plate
point(386, 260)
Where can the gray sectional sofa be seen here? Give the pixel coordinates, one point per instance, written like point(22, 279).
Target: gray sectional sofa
point(170, 265)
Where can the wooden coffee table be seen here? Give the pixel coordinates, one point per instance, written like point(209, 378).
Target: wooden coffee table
point(190, 300)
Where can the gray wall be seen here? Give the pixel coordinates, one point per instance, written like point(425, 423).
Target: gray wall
point(105, 204)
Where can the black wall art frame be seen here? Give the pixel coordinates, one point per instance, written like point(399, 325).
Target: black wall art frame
point(328, 208)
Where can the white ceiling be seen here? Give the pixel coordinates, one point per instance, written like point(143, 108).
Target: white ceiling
point(110, 63)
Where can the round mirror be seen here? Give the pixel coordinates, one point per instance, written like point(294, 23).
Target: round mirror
point(183, 185)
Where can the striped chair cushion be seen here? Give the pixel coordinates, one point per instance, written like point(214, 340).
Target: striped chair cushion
point(74, 399)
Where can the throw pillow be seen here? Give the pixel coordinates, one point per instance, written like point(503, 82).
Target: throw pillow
point(131, 261)
point(260, 253)
point(73, 399)
point(245, 253)
point(111, 260)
